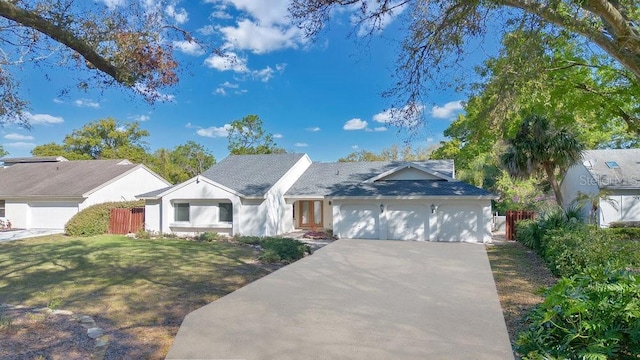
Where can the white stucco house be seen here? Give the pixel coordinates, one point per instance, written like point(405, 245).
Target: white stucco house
point(614, 171)
point(45, 192)
point(265, 195)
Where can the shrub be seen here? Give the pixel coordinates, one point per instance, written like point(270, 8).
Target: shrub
point(288, 250)
point(624, 233)
point(94, 220)
point(209, 236)
point(249, 240)
point(529, 233)
point(269, 256)
point(592, 315)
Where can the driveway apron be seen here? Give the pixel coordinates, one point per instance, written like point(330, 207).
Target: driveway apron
point(358, 299)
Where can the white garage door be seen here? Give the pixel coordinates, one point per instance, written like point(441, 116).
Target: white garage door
point(407, 222)
point(51, 215)
point(359, 222)
point(458, 223)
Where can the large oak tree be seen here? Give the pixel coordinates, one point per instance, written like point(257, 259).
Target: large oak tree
point(112, 45)
point(438, 32)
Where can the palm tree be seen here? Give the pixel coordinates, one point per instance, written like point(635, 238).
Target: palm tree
point(541, 147)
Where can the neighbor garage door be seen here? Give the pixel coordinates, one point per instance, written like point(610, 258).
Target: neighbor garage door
point(459, 223)
point(359, 222)
point(51, 215)
point(407, 222)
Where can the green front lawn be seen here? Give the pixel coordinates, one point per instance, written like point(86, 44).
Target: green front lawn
point(138, 290)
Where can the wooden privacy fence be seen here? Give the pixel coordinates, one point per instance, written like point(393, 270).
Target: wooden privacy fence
point(125, 221)
point(513, 216)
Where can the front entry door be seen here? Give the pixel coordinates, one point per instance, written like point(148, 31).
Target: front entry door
point(311, 214)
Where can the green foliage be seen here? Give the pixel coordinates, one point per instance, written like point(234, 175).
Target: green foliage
point(393, 153)
point(624, 233)
point(247, 136)
point(209, 236)
point(3, 152)
point(529, 233)
point(593, 315)
point(94, 220)
point(277, 249)
point(625, 224)
point(182, 162)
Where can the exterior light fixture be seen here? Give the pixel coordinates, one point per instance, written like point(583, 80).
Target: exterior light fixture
point(381, 208)
point(433, 208)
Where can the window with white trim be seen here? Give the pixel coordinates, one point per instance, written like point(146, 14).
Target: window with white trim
point(225, 212)
point(181, 212)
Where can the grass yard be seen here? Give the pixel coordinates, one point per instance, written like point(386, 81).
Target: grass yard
point(519, 273)
point(137, 290)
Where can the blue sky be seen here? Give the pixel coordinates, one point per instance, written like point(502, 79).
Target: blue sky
point(321, 97)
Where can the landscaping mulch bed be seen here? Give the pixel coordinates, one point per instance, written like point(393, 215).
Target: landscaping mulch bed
point(520, 274)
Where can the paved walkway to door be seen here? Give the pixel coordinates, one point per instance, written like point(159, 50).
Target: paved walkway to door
point(358, 299)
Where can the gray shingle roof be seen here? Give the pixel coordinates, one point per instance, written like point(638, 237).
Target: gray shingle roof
point(66, 178)
point(626, 176)
point(347, 179)
point(252, 175)
point(412, 188)
point(154, 194)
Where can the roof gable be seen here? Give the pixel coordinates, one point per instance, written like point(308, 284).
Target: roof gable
point(409, 171)
point(60, 179)
point(252, 175)
point(614, 168)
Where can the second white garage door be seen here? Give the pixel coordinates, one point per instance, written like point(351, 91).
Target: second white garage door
point(407, 222)
point(458, 223)
point(51, 215)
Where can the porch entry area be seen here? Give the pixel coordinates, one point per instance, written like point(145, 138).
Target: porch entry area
point(309, 214)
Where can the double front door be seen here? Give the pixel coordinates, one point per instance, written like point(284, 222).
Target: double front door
point(310, 214)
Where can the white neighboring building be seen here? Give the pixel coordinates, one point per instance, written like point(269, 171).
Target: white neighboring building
point(617, 172)
point(266, 195)
point(44, 193)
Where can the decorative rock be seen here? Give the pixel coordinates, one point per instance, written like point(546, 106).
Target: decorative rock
point(44, 309)
point(62, 312)
point(102, 341)
point(95, 332)
point(87, 322)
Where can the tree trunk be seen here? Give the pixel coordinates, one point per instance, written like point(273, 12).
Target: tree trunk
point(551, 176)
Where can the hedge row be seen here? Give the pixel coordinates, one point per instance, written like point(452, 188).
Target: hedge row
point(94, 220)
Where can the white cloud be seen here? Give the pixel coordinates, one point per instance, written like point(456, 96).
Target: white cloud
point(429, 139)
point(206, 30)
point(260, 38)
point(447, 110)
point(355, 147)
point(229, 85)
point(221, 15)
point(14, 136)
point(379, 129)
point(220, 91)
point(141, 118)
point(265, 11)
point(409, 115)
point(112, 4)
point(43, 119)
point(58, 101)
point(189, 47)
point(230, 61)
point(300, 144)
point(355, 124)
point(86, 103)
point(179, 15)
point(154, 94)
point(278, 136)
point(314, 129)
point(20, 144)
point(378, 24)
point(214, 132)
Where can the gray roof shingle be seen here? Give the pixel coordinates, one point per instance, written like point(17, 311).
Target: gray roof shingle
point(347, 179)
point(252, 175)
point(65, 178)
point(626, 176)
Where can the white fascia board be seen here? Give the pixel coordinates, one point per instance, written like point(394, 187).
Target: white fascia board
point(192, 180)
point(408, 166)
point(482, 197)
point(305, 197)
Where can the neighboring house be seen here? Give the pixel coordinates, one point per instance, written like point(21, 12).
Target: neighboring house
point(615, 175)
point(267, 195)
point(46, 192)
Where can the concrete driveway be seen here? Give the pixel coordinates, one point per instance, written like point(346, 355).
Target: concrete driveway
point(24, 234)
point(358, 299)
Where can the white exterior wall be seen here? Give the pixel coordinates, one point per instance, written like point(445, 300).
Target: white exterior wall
point(201, 194)
point(125, 188)
point(153, 215)
point(578, 179)
point(273, 215)
point(623, 206)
